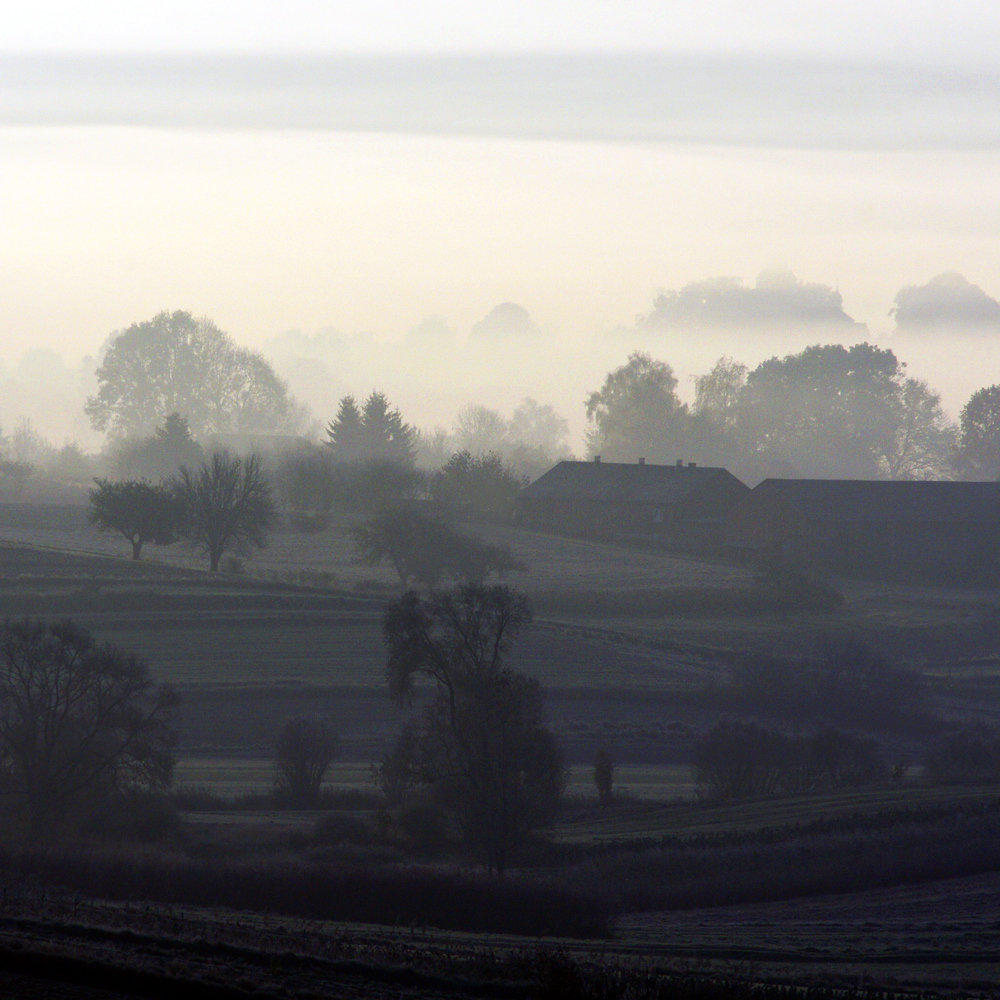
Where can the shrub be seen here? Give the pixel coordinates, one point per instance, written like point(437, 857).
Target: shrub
point(849, 684)
point(136, 816)
point(481, 485)
point(970, 756)
point(303, 751)
point(395, 895)
point(342, 828)
point(738, 760)
point(604, 776)
point(423, 828)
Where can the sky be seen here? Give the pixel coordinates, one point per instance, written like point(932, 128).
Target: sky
point(351, 170)
point(890, 29)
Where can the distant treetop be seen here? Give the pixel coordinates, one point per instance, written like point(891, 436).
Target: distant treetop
point(505, 320)
point(948, 300)
point(373, 432)
point(777, 297)
point(175, 363)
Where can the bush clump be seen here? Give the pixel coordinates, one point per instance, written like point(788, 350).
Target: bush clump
point(740, 760)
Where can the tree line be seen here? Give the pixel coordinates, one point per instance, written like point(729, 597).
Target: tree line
point(829, 411)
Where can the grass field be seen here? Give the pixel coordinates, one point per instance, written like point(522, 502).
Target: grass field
point(231, 776)
point(553, 562)
point(248, 651)
point(938, 938)
point(695, 818)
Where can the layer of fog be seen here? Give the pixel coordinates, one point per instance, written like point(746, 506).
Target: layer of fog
point(745, 100)
point(386, 251)
point(505, 358)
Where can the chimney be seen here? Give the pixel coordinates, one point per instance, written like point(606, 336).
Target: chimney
point(692, 465)
point(642, 461)
point(597, 460)
point(680, 463)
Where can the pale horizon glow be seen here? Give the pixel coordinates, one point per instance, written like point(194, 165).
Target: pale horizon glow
point(268, 232)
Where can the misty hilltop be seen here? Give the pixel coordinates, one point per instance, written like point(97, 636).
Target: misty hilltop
point(947, 301)
point(776, 298)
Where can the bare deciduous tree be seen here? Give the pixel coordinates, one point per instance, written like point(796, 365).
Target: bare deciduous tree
point(481, 745)
point(302, 754)
point(77, 720)
point(226, 506)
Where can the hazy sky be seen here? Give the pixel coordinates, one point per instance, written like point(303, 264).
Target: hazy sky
point(897, 29)
point(856, 144)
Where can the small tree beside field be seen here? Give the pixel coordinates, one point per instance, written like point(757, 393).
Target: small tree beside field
point(428, 551)
point(226, 506)
point(138, 511)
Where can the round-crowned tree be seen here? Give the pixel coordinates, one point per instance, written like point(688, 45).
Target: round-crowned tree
point(138, 511)
point(175, 363)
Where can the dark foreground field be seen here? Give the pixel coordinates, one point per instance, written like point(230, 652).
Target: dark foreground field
point(940, 939)
point(662, 894)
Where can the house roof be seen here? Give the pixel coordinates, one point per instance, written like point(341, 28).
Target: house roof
point(880, 500)
point(620, 482)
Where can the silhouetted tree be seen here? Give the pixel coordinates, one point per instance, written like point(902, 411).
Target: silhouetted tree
point(375, 432)
point(226, 506)
point(922, 440)
point(842, 412)
point(174, 363)
point(310, 483)
point(303, 751)
point(479, 429)
point(160, 455)
point(345, 433)
point(636, 413)
point(718, 394)
point(537, 426)
point(136, 510)
point(604, 776)
point(481, 745)
point(977, 455)
point(481, 484)
point(740, 760)
point(426, 550)
point(77, 721)
point(968, 756)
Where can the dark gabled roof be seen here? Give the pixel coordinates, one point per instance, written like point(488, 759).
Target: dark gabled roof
point(879, 500)
point(620, 482)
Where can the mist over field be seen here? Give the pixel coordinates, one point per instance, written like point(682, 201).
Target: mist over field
point(355, 217)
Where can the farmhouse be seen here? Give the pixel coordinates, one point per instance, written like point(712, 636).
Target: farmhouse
point(941, 530)
point(678, 506)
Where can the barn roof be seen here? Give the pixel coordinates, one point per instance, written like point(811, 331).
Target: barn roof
point(621, 482)
point(880, 500)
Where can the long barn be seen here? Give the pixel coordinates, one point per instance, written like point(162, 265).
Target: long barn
point(941, 530)
point(680, 507)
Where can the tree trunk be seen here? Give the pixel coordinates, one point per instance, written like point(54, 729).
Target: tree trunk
point(136, 549)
